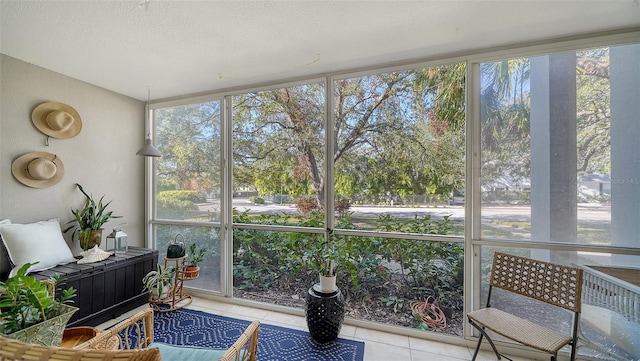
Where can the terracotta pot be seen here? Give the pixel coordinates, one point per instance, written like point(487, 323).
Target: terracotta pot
point(190, 272)
point(95, 238)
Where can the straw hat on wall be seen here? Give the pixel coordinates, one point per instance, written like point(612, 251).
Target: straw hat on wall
point(38, 169)
point(57, 120)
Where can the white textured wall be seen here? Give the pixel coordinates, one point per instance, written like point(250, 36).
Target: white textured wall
point(101, 158)
point(1, 77)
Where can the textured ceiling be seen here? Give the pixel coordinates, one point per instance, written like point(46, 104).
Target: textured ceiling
point(185, 47)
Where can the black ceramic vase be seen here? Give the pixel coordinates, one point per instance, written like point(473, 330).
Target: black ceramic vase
point(325, 314)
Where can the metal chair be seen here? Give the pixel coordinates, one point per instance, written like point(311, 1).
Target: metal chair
point(551, 283)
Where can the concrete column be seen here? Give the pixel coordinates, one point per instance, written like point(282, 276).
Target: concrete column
point(625, 148)
point(553, 148)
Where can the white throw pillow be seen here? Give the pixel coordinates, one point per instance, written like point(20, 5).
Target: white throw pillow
point(4, 257)
point(40, 242)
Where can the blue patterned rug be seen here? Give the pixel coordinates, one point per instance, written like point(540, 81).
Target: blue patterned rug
point(197, 328)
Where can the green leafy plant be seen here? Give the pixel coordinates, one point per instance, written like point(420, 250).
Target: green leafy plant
point(368, 265)
point(91, 217)
point(325, 258)
point(247, 276)
point(26, 301)
point(393, 301)
point(158, 281)
point(420, 325)
point(196, 255)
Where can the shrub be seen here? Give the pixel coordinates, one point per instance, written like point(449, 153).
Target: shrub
point(174, 204)
point(366, 265)
point(256, 200)
point(342, 205)
point(307, 204)
point(179, 196)
point(428, 268)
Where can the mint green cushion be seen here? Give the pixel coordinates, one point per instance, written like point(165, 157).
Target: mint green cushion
point(187, 353)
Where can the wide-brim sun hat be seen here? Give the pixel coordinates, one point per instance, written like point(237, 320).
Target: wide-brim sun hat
point(57, 120)
point(38, 169)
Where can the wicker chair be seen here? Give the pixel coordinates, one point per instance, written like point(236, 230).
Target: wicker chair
point(551, 283)
point(130, 340)
point(19, 351)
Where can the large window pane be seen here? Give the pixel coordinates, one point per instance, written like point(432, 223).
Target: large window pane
point(400, 148)
point(278, 153)
point(560, 161)
point(380, 278)
point(610, 319)
point(187, 183)
point(203, 237)
point(187, 176)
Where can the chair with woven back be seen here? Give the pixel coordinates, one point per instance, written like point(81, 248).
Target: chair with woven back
point(554, 284)
point(132, 340)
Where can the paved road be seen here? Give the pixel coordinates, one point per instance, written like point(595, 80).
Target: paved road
point(586, 212)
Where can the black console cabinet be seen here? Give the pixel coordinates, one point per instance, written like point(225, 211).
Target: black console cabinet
point(106, 289)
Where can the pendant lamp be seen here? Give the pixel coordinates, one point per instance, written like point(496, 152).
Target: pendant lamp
point(149, 150)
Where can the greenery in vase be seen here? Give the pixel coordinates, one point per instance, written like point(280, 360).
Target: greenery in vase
point(327, 260)
point(159, 281)
point(26, 301)
point(91, 217)
point(196, 255)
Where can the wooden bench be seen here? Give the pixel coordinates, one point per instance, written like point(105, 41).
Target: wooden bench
point(554, 284)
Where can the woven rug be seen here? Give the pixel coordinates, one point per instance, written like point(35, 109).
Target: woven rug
point(197, 328)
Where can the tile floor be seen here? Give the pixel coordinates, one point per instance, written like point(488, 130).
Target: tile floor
point(379, 346)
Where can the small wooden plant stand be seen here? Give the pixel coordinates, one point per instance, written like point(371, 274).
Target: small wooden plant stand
point(176, 298)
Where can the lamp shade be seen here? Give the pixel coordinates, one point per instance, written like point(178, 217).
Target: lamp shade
point(149, 150)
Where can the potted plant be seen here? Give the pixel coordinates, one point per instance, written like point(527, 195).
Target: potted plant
point(326, 262)
point(89, 220)
point(195, 256)
point(158, 282)
point(324, 306)
point(29, 311)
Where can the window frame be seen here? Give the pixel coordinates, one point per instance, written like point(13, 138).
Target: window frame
point(472, 236)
